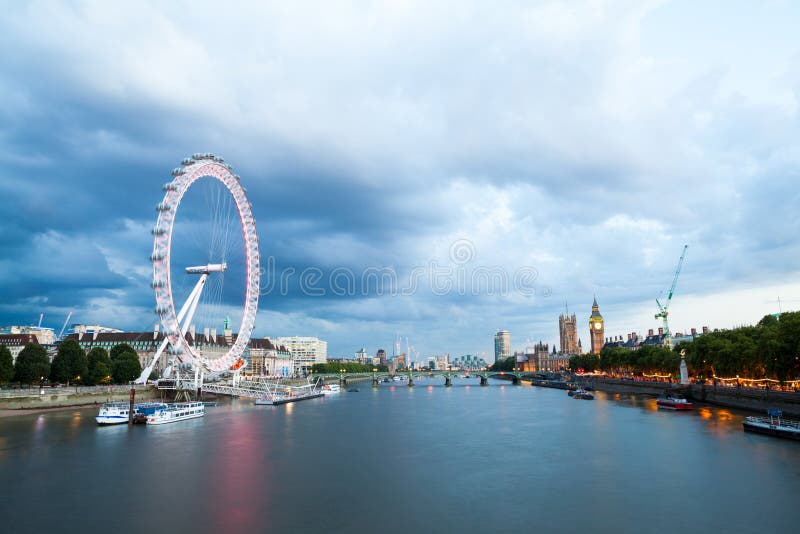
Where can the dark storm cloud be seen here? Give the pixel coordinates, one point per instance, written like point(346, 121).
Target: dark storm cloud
point(563, 139)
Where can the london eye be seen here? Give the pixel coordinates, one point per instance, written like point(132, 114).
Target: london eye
point(201, 259)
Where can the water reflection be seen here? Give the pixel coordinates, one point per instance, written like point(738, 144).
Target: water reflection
point(301, 467)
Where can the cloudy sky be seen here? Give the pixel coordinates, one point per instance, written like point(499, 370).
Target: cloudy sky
point(570, 148)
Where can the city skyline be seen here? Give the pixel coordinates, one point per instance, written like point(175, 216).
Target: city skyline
point(369, 157)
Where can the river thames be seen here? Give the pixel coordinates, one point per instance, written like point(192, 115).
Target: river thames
point(501, 458)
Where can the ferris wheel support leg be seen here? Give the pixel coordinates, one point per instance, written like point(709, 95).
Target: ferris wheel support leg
point(191, 302)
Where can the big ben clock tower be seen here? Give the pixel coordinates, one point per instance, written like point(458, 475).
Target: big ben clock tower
point(596, 329)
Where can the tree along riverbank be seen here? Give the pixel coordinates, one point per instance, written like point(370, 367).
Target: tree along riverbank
point(757, 400)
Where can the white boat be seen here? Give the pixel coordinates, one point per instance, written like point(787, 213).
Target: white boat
point(178, 411)
point(330, 389)
point(115, 413)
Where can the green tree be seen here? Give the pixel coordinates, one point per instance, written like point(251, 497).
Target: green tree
point(506, 364)
point(125, 367)
point(32, 364)
point(116, 350)
point(587, 362)
point(59, 370)
point(70, 362)
point(769, 349)
point(6, 365)
point(99, 366)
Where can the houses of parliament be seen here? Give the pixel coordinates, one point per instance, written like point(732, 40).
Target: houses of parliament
point(540, 358)
point(570, 343)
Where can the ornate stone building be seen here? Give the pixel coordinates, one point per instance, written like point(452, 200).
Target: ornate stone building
point(538, 359)
point(596, 329)
point(568, 332)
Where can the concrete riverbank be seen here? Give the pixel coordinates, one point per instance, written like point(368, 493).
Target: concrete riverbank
point(21, 401)
point(756, 400)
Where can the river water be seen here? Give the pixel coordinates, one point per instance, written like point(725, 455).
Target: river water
point(501, 458)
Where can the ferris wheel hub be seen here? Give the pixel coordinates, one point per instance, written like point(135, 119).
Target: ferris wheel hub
point(207, 269)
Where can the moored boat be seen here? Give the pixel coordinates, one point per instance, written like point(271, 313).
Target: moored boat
point(582, 394)
point(179, 411)
point(330, 389)
point(773, 425)
point(669, 402)
point(284, 394)
point(115, 413)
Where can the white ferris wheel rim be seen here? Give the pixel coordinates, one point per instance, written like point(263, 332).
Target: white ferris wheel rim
point(194, 168)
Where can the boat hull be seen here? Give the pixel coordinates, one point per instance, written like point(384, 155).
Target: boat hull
point(771, 430)
point(172, 413)
point(677, 406)
point(111, 419)
point(286, 400)
point(153, 421)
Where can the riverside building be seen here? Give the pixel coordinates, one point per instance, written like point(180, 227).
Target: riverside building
point(263, 357)
point(16, 342)
point(44, 336)
point(305, 351)
point(539, 359)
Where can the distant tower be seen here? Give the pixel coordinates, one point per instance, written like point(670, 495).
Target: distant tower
point(502, 345)
point(568, 330)
point(596, 329)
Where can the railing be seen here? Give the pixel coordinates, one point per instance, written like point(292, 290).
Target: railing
point(235, 391)
point(67, 390)
point(775, 421)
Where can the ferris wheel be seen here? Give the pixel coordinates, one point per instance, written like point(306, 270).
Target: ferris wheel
point(225, 208)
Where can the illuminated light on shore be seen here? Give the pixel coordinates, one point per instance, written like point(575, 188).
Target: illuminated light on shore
point(656, 376)
point(735, 379)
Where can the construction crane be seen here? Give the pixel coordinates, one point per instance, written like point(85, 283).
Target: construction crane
point(663, 309)
point(61, 334)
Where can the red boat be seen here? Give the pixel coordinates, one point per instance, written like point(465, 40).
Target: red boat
point(672, 403)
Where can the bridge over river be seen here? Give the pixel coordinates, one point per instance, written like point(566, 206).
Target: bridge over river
point(258, 387)
point(484, 375)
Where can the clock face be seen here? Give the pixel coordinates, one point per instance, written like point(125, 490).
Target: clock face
point(598, 326)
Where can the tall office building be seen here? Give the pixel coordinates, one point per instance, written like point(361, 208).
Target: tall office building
point(568, 332)
point(502, 345)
